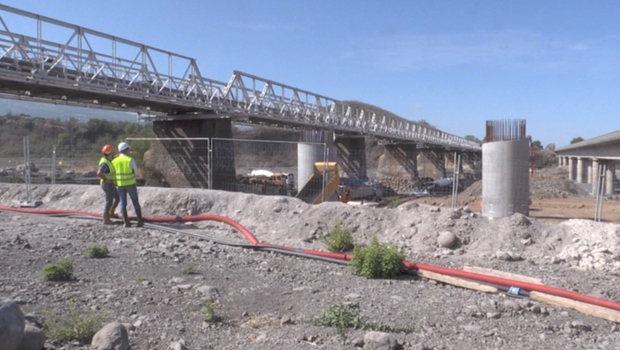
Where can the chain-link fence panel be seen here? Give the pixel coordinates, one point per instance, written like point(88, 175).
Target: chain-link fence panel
point(172, 162)
point(269, 167)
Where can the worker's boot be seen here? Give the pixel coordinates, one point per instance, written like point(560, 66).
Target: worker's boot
point(140, 222)
point(127, 223)
point(106, 219)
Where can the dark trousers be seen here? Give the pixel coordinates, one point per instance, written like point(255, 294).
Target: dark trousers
point(133, 194)
point(111, 196)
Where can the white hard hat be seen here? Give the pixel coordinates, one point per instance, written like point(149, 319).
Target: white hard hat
point(123, 146)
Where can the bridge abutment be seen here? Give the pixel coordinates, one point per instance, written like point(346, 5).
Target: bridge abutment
point(185, 163)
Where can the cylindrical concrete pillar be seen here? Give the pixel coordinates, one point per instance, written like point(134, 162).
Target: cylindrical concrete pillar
point(571, 169)
point(505, 178)
point(589, 171)
point(609, 178)
point(595, 175)
point(312, 150)
point(580, 170)
point(559, 161)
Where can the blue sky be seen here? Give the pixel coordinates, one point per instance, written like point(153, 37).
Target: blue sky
point(454, 64)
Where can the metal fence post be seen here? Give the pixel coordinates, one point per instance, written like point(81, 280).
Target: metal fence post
point(54, 165)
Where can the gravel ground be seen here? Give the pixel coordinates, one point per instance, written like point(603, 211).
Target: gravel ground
point(267, 301)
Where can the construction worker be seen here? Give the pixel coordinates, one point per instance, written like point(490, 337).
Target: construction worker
point(126, 170)
point(107, 175)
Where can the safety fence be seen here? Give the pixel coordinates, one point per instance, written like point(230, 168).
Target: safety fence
point(266, 167)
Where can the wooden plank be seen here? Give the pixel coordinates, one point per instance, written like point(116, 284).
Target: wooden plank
point(588, 309)
point(457, 281)
point(502, 274)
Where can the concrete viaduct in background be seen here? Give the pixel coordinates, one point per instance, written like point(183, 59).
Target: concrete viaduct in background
point(587, 158)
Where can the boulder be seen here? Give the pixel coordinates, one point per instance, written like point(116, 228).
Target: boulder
point(12, 324)
point(112, 336)
point(33, 338)
point(380, 341)
point(446, 239)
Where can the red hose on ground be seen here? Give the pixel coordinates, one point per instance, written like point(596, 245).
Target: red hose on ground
point(341, 256)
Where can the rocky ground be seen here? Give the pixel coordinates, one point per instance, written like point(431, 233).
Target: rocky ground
point(266, 300)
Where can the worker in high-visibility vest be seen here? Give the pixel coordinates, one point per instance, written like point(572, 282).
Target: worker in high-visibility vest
point(126, 169)
point(107, 175)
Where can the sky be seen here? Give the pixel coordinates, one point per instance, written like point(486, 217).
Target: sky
point(455, 64)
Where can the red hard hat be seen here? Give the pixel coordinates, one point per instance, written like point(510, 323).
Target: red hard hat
point(107, 149)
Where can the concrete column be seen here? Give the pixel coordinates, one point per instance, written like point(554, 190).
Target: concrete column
point(186, 163)
point(571, 169)
point(505, 178)
point(609, 177)
point(580, 178)
point(589, 166)
point(352, 156)
point(559, 161)
point(310, 151)
point(595, 174)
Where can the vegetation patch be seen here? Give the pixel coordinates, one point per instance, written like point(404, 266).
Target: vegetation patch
point(208, 312)
point(394, 203)
point(339, 239)
point(377, 260)
point(61, 270)
point(189, 269)
point(97, 251)
point(74, 326)
point(345, 316)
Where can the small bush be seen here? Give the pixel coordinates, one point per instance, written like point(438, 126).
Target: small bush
point(97, 251)
point(62, 270)
point(189, 269)
point(339, 239)
point(341, 316)
point(394, 203)
point(345, 316)
point(208, 312)
point(74, 326)
point(377, 260)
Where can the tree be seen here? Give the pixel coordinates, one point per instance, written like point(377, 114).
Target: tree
point(472, 138)
point(576, 139)
point(551, 147)
point(537, 144)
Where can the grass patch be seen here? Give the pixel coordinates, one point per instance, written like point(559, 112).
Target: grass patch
point(208, 312)
point(61, 270)
point(189, 269)
point(75, 326)
point(346, 316)
point(394, 203)
point(97, 251)
point(377, 260)
point(262, 322)
point(339, 239)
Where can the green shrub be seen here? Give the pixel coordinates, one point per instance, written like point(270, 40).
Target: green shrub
point(97, 251)
point(208, 312)
point(75, 326)
point(339, 239)
point(62, 270)
point(341, 316)
point(394, 203)
point(189, 269)
point(377, 260)
point(345, 316)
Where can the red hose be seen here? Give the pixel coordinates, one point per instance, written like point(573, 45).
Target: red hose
point(341, 256)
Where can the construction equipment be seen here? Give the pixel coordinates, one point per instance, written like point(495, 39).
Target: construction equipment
point(322, 185)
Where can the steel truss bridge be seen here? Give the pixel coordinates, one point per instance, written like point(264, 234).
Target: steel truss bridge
point(43, 59)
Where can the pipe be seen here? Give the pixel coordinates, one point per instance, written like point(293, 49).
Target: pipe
point(255, 243)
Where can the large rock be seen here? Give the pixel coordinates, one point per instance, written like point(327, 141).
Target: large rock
point(33, 339)
point(12, 324)
point(446, 239)
point(380, 341)
point(112, 336)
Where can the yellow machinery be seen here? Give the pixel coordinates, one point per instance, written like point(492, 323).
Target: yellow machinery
point(312, 192)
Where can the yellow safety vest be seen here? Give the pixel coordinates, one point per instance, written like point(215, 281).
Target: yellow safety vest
point(124, 174)
point(110, 175)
